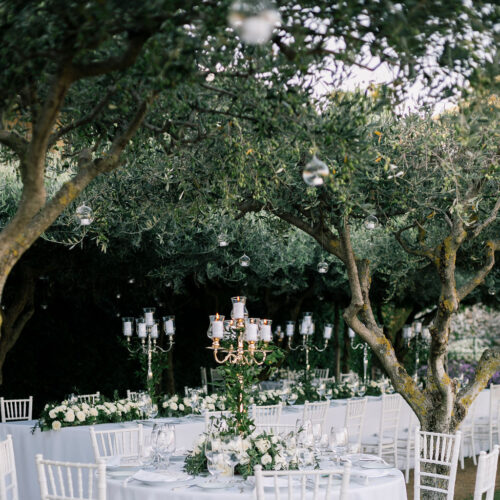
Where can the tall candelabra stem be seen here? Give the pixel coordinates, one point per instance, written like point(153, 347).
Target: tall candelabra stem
point(363, 346)
point(150, 360)
point(417, 358)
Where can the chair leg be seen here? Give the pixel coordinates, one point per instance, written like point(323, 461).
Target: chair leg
point(407, 472)
point(473, 446)
point(462, 454)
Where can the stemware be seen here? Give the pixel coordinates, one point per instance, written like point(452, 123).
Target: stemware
point(338, 441)
point(232, 448)
point(165, 443)
point(292, 398)
point(306, 459)
point(317, 432)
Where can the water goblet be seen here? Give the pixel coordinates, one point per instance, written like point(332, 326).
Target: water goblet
point(361, 390)
point(338, 441)
point(165, 443)
point(292, 398)
point(306, 459)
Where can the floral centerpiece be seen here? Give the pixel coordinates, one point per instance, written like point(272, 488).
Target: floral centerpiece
point(258, 448)
point(178, 406)
point(68, 414)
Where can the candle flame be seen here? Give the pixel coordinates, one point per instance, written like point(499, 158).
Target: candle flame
point(216, 316)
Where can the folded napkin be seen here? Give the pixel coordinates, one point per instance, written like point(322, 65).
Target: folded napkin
point(156, 477)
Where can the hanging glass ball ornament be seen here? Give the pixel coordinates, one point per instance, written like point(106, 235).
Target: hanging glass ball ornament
point(492, 290)
point(371, 222)
point(322, 268)
point(222, 240)
point(315, 172)
point(254, 21)
point(244, 260)
point(84, 215)
point(118, 295)
point(131, 281)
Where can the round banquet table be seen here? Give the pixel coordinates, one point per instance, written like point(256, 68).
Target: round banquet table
point(392, 486)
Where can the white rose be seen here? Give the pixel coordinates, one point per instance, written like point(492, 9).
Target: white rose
point(80, 415)
point(85, 407)
point(211, 407)
point(70, 416)
point(175, 398)
point(165, 404)
point(266, 459)
point(262, 445)
point(181, 407)
point(52, 413)
point(173, 406)
point(93, 412)
point(274, 439)
point(186, 402)
point(56, 425)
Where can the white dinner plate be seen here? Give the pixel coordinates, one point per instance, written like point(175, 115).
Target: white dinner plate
point(216, 485)
point(374, 465)
point(117, 474)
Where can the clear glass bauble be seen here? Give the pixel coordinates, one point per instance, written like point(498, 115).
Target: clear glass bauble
point(322, 268)
point(371, 222)
point(244, 260)
point(222, 240)
point(492, 291)
point(254, 21)
point(315, 172)
point(84, 215)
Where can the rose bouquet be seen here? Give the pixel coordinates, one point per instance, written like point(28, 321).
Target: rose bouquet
point(178, 406)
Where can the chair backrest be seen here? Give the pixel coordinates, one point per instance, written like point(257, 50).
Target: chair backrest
point(266, 415)
point(389, 418)
point(486, 474)
point(70, 480)
point(212, 417)
point(16, 409)
point(89, 398)
point(216, 375)
point(203, 374)
point(125, 443)
point(321, 372)
point(295, 484)
point(436, 459)
point(8, 476)
point(326, 380)
point(348, 377)
point(355, 419)
point(132, 395)
point(315, 412)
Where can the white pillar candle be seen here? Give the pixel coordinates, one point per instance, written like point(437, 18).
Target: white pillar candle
point(141, 330)
point(265, 332)
point(217, 329)
point(418, 327)
point(169, 327)
point(290, 327)
point(312, 329)
point(251, 332)
point(127, 328)
point(238, 310)
point(154, 331)
point(148, 317)
point(327, 333)
point(304, 327)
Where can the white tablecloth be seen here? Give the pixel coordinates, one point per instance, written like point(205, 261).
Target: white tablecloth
point(73, 443)
point(390, 487)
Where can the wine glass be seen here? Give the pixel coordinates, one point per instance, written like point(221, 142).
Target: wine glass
point(321, 390)
point(329, 394)
point(292, 398)
point(305, 435)
point(338, 441)
point(215, 463)
point(361, 390)
point(317, 432)
point(165, 443)
point(306, 459)
point(232, 447)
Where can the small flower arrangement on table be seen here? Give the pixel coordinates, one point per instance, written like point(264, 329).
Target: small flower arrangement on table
point(69, 414)
point(258, 448)
point(194, 404)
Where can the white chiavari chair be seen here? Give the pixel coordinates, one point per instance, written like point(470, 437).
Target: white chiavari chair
point(213, 418)
point(467, 429)
point(265, 416)
point(123, 443)
point(89, 398)
point(8, 475)
point(350, 378)
point(354, 419)
point(16, 409)
point(316, 412)
point(385, 442)
point(70, 480)
point(216, 378)
point(486, 474)
point(321, 372)
point(436, 461)
point(132, 395)
point(326, 380)
point(301, 485)
point(406, 442)
point(487, 427)
point(203, 376)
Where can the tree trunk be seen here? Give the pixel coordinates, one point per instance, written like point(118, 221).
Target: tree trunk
point(337, 341)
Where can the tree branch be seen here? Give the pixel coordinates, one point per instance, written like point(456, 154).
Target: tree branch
point(117, 63)
point(491, 248)
point(486, 368)
point(13, 141)
point(488, 220)
point(84, 120)
point(424, 252)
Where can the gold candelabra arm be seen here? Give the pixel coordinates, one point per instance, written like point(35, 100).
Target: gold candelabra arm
point(171, 343)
